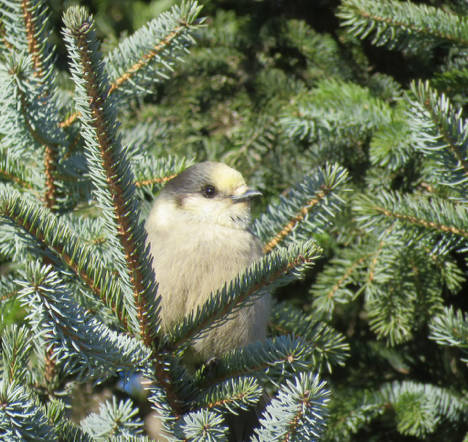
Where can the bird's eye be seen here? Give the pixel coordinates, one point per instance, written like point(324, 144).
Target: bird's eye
point(209, 191)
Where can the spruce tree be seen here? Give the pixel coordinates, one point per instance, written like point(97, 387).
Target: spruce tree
point(75, 191)
point(364, 171)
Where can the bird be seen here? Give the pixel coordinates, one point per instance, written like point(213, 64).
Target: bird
point(199, 235)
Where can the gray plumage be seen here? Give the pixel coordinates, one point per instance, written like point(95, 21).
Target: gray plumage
point(199, 234)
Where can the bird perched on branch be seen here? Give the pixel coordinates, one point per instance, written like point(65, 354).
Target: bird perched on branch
point(199, 234)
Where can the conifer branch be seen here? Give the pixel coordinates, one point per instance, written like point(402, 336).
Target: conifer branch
point(114, 419)
point(232, 395)
point(25, 28)
point(430, 225)
point(57, 416)
point(306, 208)
point(83, 345)
point(15, 179)
point(373, 262)
point(271, 271)
point(52, 234)
point(109, 167)
point(114, 186)
point(155, 180)
point(328, 345)
point(450, 328)
point(228, 401)
point(180, 21)
point(202, 425)
point(424, 407)
point(50, 165)
point(273, 360)
point(350, 412)
point(134, 69)
point(440, 133)
point(3, 37)
point(393, 257)
point(166, 381)
point(50, 156)
point(147, 57)
point(16, 351)
point(335, 111)
point(298, 412)
point(15, 172)
point(69, 120)
point(354, 270)
point(346, 276)
point(31, 35)
point(432, 213)
point(295, 220)
point(22, 418)
point(331, 287)
point(35, 26)
point(151, 172)
point(393, 22)
point(50, 366)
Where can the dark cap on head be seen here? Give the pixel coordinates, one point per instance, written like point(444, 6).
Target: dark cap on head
point(193, 178)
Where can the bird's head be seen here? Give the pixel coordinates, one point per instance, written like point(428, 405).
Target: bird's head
point(208, 192)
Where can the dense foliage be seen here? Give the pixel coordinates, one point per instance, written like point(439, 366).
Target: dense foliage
point(348, 115)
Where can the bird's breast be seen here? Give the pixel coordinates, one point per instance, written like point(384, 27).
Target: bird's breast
point(191, 263)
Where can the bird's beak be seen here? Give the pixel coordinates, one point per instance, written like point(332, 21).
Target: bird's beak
point(247, 195)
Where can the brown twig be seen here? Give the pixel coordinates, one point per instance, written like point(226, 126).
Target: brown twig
point(289, 227)
point(33, 44)
point(155, 180)
point(50, 150)
point(134, 69)
point(16, 179)
point(423, 223)
point(96, 100)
